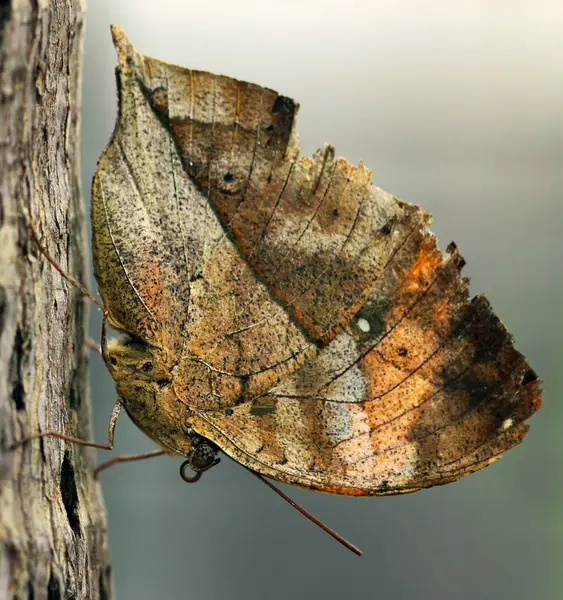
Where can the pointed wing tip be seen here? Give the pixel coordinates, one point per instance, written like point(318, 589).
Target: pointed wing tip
point(122, 44)
point(117, 35)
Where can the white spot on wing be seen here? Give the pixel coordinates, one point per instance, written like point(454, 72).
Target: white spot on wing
point(363, 325)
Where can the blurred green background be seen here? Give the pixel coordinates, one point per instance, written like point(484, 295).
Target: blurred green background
point(457, 106)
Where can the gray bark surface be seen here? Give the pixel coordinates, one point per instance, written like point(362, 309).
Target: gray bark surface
point(52, 521)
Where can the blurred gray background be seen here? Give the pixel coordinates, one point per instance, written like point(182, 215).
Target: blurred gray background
point(457, 106)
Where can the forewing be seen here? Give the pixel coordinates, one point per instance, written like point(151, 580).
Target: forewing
point(314, 230)
point(212, 238)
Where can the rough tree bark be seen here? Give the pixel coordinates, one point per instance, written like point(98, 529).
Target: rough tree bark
point(52, 521)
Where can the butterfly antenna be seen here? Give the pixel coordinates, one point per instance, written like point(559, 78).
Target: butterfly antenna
point(309, 516)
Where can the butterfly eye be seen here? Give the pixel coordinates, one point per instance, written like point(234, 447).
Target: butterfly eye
point(113, 360)
point(147, 367)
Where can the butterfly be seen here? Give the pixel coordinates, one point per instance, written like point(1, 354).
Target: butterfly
point(284, 309)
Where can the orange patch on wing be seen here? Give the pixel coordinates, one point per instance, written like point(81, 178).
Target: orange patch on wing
point(153, 290)
point(422, 271)
point(400, 368)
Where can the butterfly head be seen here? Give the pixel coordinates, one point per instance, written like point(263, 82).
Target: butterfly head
point(144, 382)
point(139, 369)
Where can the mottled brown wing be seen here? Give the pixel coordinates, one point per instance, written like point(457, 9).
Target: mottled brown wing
point(322, 339)
point(422, 388)
point(146, 224)
point(179, 269)
point(314, 230)
point(167, 270)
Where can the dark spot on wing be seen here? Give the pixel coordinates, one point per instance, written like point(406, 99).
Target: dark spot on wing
point(259, 410)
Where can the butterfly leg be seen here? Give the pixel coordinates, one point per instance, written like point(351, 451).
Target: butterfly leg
point(74, 282)
point(127, 458)
point(67, 438)
point(93, 345)
point(89, 342)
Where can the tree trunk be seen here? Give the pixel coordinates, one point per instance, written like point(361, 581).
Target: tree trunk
point(52, 521)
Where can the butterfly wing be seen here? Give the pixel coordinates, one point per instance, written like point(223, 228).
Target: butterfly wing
point(342, 349)
point(166, 269)
point(251, 275)
point(433, 391)
point(314, 230)
point(147, 225)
